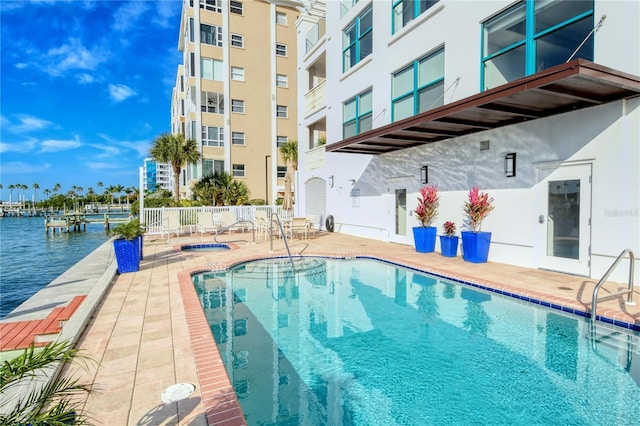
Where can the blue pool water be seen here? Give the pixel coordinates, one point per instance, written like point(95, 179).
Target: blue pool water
point(363, 342)
point(204, 247)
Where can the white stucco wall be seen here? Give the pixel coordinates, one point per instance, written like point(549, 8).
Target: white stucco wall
point(607, 136)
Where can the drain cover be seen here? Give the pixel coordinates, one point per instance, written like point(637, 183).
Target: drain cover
point(177, 392)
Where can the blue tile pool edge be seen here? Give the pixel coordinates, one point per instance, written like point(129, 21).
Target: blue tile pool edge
point(578, 312)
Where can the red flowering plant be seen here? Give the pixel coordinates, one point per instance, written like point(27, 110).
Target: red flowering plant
point(428, 204)
point(449, 228)
point(477, 208)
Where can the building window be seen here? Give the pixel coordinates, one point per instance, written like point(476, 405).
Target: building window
point(418, 87)
point(212, 5)
point(238, 170)
point(357, 39)
point(282, 80)
point(212, 102)
point(237, 40)
point(235, 7)
point(281, 49)
point(237, 105)
point(346, 5)
point(210, 167)
point(405, 11)
point(192, 36)
point(210, 34)
point(357, 114)
point(281, 111)
point(532, 36)
point(282, 171)
point(211, 69)
point(191, 65)
point(237, 138)
point(281, 140)
point(281, 18)
point(212, 136)
point(237, 73)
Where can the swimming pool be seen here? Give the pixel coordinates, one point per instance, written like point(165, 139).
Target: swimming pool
point(360, 341)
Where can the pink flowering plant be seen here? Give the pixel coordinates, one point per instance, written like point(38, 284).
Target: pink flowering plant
point(449, 228)
point(428, 203)
point(478, 207)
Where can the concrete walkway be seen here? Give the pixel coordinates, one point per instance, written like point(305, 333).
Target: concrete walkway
point(148, 331)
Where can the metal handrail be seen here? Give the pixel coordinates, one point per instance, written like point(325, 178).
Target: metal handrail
point(629, 291)
point(284, 237)
point(226, 228)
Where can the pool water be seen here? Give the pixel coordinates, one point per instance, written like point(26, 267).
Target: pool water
point(364, 342)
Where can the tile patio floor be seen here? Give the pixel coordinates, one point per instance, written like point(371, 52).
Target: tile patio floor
point(149, 331)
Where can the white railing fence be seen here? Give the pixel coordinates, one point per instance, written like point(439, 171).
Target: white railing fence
point(153, 218)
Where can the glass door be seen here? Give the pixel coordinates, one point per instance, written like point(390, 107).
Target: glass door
point(566, 221)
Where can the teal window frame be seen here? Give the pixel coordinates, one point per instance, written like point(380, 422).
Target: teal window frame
point(417, 88)
point(359, 115)
point(356, 44)
point(529, 43)
point(416, 10)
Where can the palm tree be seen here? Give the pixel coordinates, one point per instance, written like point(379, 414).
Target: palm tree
point(289, 152)
point(56, 188)
point(118, 189)
point(35, 188)
point(47, 192)
point(176, 150)
point(55, 402)
point(11, 188)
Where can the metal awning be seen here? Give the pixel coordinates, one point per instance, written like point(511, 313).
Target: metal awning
point(568, 87)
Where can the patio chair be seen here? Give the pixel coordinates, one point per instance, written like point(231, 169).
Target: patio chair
point(311, 224)
point(229, 222)
point(298, 226)
point(205, 223)
point(171, 223)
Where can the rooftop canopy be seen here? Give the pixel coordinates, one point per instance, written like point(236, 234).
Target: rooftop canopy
point(568, 87)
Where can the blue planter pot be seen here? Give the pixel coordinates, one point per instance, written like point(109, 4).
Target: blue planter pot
point(127, 255)
point(139, 243)
point(449, 245)
point(424, 238)
point(475, 246)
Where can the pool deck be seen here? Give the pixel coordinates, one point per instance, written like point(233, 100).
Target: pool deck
point(149, 332)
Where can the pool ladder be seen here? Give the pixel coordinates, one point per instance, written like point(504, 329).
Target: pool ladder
point(628, 291)
point(284, 238)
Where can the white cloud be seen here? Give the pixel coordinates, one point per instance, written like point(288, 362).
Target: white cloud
point(19, 167)
point(21, 65)
point(120, 92)
point(71, 56)
point(107, 151)
point(23, 146)
point(85, 78)
point(27, 123)
point(53, 145)
point(127, 15)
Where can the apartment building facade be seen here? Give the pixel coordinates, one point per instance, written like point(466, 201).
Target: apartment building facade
point(536, 102)
point(156, 176)
point(235, 91)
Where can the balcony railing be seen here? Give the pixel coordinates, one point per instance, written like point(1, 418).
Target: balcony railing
point(314, 35)
point(314, 99)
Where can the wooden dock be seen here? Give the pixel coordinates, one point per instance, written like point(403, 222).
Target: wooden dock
point(77, 221)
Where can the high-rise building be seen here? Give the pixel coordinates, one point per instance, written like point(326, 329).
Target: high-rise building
point(156, 176)
point(236, 90)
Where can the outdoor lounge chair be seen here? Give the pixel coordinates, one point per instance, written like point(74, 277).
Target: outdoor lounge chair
point(205, 223)
point(229, 222)
point(298, 226)
point(171, 223)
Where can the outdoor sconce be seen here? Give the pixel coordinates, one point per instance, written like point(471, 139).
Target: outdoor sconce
point(510, 164)
point(424, 174)
point(331, 181)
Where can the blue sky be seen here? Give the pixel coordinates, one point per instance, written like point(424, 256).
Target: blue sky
point(85, 88)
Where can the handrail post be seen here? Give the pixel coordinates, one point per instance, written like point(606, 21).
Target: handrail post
point(629, 291)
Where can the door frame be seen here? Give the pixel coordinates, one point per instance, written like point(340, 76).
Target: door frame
point(582, 170)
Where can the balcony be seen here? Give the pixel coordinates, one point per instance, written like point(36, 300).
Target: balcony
point(314, 35)
point(314, 99)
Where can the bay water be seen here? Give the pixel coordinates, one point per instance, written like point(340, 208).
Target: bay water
point(31, 258)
